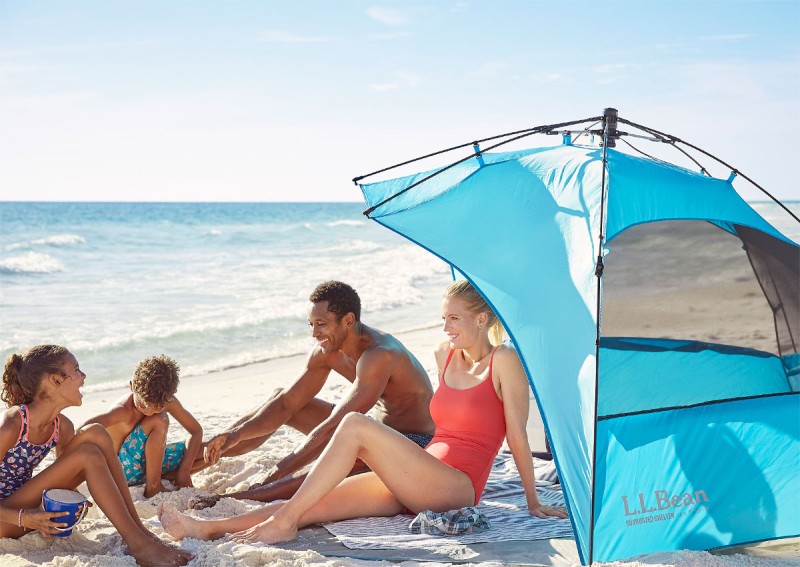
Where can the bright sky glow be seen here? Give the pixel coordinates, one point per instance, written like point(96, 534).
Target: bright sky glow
point(289, 100)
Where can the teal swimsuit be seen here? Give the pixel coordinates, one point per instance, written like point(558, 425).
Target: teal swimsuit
point(131, 455)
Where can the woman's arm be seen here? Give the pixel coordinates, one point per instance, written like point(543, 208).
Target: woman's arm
point(508, 371)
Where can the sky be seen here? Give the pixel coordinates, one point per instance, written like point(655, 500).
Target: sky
point(289, 100)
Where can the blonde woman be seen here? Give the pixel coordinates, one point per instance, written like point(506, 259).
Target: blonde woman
point(482, 398)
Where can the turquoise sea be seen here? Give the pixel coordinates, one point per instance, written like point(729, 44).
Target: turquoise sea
point(214, 285)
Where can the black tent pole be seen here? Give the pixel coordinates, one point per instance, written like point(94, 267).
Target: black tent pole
point(609, 140)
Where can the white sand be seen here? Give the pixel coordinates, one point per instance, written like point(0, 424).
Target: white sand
point(216, 400)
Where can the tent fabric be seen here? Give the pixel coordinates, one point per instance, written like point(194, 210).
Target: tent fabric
point(524, 229)
point(688, 373)
point(722, 491)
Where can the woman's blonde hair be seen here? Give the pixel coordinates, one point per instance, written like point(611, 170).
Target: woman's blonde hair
point(463, 290)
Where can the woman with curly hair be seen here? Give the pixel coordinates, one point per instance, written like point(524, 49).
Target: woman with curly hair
point(37, 386)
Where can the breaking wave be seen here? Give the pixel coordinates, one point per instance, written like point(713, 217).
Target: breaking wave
point(30, 263)
point(55, 240)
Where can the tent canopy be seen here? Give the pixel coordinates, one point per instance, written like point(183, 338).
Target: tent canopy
point(525, 228)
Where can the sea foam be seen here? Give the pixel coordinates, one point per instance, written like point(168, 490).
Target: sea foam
point(59, 240)
point(30, 263)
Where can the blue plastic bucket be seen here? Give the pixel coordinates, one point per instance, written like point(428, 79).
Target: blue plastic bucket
point(63, 500)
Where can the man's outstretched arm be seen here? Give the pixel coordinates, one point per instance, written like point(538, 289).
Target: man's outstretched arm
point(372, 374)
point(269, 417)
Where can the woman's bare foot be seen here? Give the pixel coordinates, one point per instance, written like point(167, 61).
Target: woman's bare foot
point(272, 530)
point(154, 554)
point(179, 525)
point(200, 502)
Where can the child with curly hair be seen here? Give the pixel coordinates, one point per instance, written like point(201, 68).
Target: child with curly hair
point(138, 424)
point(37, 385)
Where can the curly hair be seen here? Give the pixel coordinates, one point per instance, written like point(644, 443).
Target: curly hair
point(156, 379)
point(342, 299)
point(23, 374)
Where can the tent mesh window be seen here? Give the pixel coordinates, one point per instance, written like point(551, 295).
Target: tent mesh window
point(693, 314)
point(687, 280)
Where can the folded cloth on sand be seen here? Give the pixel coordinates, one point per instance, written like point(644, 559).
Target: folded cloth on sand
point(455, 522)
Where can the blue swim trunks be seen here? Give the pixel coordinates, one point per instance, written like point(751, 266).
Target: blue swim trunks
point(131, 455)
point(421, 439)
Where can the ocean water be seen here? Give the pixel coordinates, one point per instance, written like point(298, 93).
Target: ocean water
point(212, 285)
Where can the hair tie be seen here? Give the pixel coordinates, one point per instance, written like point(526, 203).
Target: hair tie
point(19, 517)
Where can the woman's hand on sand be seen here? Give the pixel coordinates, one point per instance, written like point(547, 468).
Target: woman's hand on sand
point(541, 511)
point(46, 523)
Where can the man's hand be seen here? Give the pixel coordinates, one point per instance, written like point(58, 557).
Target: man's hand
point(218, 446)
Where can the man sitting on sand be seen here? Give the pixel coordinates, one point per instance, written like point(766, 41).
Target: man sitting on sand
point(386, 378)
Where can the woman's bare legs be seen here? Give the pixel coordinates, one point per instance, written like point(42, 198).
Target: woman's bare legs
point(179, 525)
point(404, 475)
point(380, 503)
point(86, 461)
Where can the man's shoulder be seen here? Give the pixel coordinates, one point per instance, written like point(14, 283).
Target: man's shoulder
point(386, 346)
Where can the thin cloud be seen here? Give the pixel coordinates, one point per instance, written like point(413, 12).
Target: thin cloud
point(612, 68)
point(727, 37)
point(282, 36)
point(387, 36)
point(388, 16)
point(548, 77)
point(382, 87)
point(490, 69)
point(89, 45)
point(403, 79)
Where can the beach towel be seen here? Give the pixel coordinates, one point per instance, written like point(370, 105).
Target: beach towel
point(503, 506)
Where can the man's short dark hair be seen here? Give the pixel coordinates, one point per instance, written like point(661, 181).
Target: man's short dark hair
point(342, 299)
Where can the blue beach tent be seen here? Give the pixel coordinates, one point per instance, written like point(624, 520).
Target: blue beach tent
point(660, 443)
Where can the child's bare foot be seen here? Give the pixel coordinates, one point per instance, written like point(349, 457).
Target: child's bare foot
point(272, 530)
point(154, 554)
point(179, 525)
point(200, 502)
